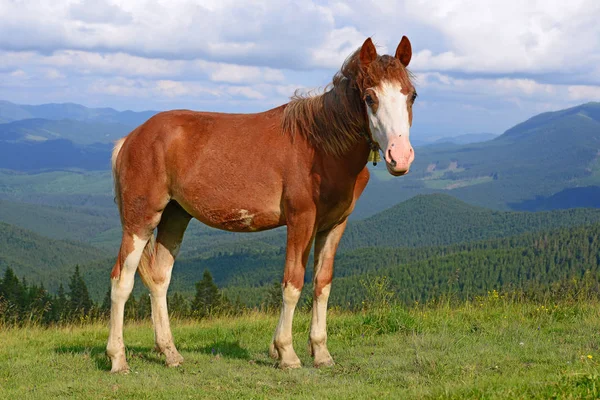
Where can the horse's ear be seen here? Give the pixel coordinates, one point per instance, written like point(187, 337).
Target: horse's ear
point(368, 53)
point(404, 51)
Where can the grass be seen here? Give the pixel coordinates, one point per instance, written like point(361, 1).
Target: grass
point(491, 348)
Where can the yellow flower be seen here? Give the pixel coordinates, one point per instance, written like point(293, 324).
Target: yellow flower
point(589, 356)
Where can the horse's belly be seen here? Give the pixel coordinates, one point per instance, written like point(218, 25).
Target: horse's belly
point(241, 219)
point(236, 211)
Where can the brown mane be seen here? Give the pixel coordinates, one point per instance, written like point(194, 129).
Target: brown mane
point(334, 120)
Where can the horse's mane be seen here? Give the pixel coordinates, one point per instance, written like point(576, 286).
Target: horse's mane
point(334, 120)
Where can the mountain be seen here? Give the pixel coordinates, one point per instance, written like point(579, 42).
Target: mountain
point(14, 112)
point(79, 132)
point(467, 138)
point(54, 155)
point(65, 222)
point(587, 196)
point(539, 158)
point(542, 156)
point(440, 219)
point(43, 260)
point(424, 221)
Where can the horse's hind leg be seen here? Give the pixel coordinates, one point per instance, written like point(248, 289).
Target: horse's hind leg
point(140, 214)
point(156, 275)
point(132, 247)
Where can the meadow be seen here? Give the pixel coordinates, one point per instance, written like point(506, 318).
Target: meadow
point(494, 346)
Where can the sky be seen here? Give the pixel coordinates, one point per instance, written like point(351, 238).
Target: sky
point(480, 66)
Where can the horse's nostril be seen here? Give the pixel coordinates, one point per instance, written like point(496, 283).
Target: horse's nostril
point(392, 161)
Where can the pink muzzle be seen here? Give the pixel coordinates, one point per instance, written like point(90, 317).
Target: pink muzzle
point(399, 155)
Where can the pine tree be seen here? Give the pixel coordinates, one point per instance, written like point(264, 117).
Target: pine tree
point(131, 308)
point(80, 302)
point(273, 300)
point(11, 289)
point(144, 307)
point(178, 306)
point(207, 299)
point(60, 304)
point(106, 304)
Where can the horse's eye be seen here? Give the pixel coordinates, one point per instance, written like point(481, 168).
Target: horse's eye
point(369, 100)
point(414, 96)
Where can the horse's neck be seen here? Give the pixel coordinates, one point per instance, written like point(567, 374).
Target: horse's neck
point(351, 163)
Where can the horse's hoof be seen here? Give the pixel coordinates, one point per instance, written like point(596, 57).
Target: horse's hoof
point(285, 365)
point(328, 362)
point(174, 361)
point(120, 369)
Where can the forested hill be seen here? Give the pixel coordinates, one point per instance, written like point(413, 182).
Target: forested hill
point(440, 219)
point(424, 221)
point(42, 260)
point(532, 262)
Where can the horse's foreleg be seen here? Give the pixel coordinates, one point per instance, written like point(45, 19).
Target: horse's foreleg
point(122, 278)
point(299, 240)
point(326, 244)
point(156, 275)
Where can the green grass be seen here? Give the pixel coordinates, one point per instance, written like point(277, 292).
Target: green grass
point(491, 348)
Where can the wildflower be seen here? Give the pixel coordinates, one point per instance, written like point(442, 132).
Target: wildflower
point(589, 356)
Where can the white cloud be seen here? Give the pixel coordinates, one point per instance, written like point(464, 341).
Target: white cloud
point(584, 92)
point(484, 57)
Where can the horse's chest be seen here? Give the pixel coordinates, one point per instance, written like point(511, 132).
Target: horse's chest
point(335, 204)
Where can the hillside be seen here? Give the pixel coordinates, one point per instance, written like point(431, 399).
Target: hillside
point(42, 260)
point(79, 132)
point(76, 112)
point(66, 222)
point(536, 262)
point(408, 231)
point(440, 219)
point(540, 157)
point(413, 228)
point(543, 156)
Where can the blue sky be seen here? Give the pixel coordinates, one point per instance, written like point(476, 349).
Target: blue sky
point(481, 66)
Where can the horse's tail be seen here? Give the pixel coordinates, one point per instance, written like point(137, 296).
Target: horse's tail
point(115, 173)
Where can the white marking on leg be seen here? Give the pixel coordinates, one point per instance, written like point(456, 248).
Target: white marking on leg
point(160, 317)
point(283, 334)
point(121, 288)
point(318, 330)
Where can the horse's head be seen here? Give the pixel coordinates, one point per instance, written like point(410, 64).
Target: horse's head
point(388, 93)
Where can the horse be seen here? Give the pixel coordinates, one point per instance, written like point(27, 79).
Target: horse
point(302, 164)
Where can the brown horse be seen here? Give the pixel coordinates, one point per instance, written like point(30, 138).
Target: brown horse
point(302, 164)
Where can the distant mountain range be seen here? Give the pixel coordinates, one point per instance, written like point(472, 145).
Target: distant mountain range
point(540, 157)
point(14, 112)
point(467, 138)
point(535, 160)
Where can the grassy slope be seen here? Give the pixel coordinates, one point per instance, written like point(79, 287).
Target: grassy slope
point(493, 349)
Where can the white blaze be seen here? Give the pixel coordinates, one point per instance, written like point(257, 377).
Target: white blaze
point(391, 119)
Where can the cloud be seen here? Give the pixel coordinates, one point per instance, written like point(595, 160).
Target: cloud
point(583, 92)
point(489, 62)
point(94, 11)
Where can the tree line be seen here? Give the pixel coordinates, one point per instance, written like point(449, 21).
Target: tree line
point(24, 303)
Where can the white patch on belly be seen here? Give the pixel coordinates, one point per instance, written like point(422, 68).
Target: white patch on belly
point(246, 218)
